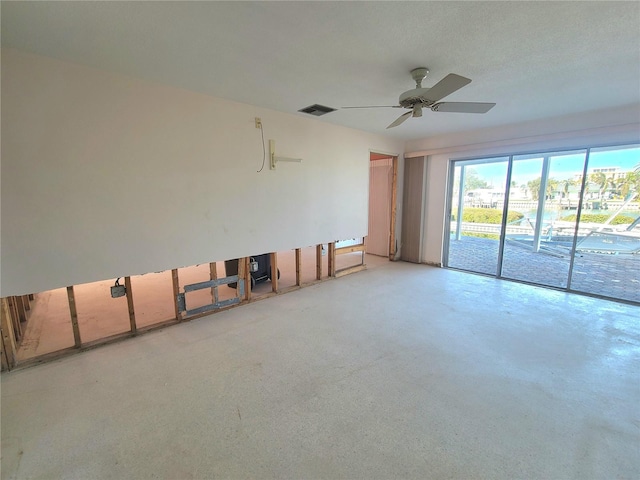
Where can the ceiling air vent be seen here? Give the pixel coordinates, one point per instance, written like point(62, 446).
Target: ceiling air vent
point(317, 110)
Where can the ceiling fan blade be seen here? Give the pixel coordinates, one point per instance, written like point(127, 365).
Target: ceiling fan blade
point(377, 106)
point(401, 119)
point(447, 86)
point(462, 107)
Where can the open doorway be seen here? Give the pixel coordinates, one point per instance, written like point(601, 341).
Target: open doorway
point(383, 176)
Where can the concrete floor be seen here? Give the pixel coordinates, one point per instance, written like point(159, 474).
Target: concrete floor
point(400, 371)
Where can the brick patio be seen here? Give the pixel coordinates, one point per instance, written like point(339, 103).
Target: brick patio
point(609, 275)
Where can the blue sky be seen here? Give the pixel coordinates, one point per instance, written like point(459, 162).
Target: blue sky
point(563, 167)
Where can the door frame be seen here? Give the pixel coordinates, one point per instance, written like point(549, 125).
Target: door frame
point(377, 155)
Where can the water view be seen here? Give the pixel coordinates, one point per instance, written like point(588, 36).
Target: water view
point(562, 229)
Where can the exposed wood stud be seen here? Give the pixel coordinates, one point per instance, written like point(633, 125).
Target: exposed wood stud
point(318, 262)
point(332, 259)
point(74, 316)
point(274, 272)
point(11, 305)
point(25, 301)
point(3, 357)
point(15, 318)
point(213, 275)
point(176, 292)
point(243, 278)
point(22, 311)
point(364, 250)
point(298, 266)
point(9, 348)
point(394, 190)
point(132, 313)
point(247, 276)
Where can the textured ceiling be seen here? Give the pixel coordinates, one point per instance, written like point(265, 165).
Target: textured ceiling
point(534, 59)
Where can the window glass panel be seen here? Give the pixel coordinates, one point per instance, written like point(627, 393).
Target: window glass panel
point(543, 201)
point(607, 258)
point(476, 216)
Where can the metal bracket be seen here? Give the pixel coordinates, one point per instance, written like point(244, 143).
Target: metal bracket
point(274, 159)
point(182, 301)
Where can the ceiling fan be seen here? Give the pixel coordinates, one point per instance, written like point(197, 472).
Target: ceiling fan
point(420, 97)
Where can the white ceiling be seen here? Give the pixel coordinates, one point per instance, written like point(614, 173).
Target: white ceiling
point(534, 59)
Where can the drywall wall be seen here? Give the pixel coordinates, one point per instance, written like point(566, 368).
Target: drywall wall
point(105, 175)
point(610, 127)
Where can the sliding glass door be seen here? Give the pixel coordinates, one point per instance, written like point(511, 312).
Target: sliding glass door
point(607, 260)
point(543, 201)
point(476, 216)
point(568, 220)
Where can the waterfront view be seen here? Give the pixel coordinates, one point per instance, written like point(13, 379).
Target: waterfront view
point(565, 219)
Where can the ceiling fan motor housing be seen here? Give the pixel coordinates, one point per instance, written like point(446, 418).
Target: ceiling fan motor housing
point(418, 95)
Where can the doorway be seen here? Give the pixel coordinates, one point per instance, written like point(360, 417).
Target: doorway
point(383, 175)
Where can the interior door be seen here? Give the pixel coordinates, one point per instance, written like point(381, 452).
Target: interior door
point(380, 186)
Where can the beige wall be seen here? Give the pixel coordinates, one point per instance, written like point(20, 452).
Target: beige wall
point(105, 175)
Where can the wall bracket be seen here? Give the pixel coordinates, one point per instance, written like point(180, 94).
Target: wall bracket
point(274, 159)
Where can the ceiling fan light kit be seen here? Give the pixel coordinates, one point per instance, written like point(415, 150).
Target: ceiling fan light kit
point(420, 97)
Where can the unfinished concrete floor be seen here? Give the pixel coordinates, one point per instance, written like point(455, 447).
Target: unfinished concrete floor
point(400, 371)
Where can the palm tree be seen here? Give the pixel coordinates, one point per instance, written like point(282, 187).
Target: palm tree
point(599, 179)
point(534, 188)
point(552, 186)
point(630, 183)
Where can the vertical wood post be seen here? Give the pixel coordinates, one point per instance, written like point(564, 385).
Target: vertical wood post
point(132, 313)
point(298, 266)
point(332, 259)
point(318, 262)
point(247, 276)
point(176, 291)
point(243, 278)
point(22, 311)
point(213, 275)
point(9, 348)
point(274, 271)
point(25, 301)
point(3, 356)
point(364, 250)
point(394, 193)
point(74, 316)
point(15, 318)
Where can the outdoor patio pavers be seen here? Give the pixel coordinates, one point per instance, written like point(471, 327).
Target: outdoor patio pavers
point(611, 275)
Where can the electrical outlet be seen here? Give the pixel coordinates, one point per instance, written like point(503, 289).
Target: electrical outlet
point(258, 123)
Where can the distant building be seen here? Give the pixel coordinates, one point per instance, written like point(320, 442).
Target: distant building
point(610, 172)
point(484, 197)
